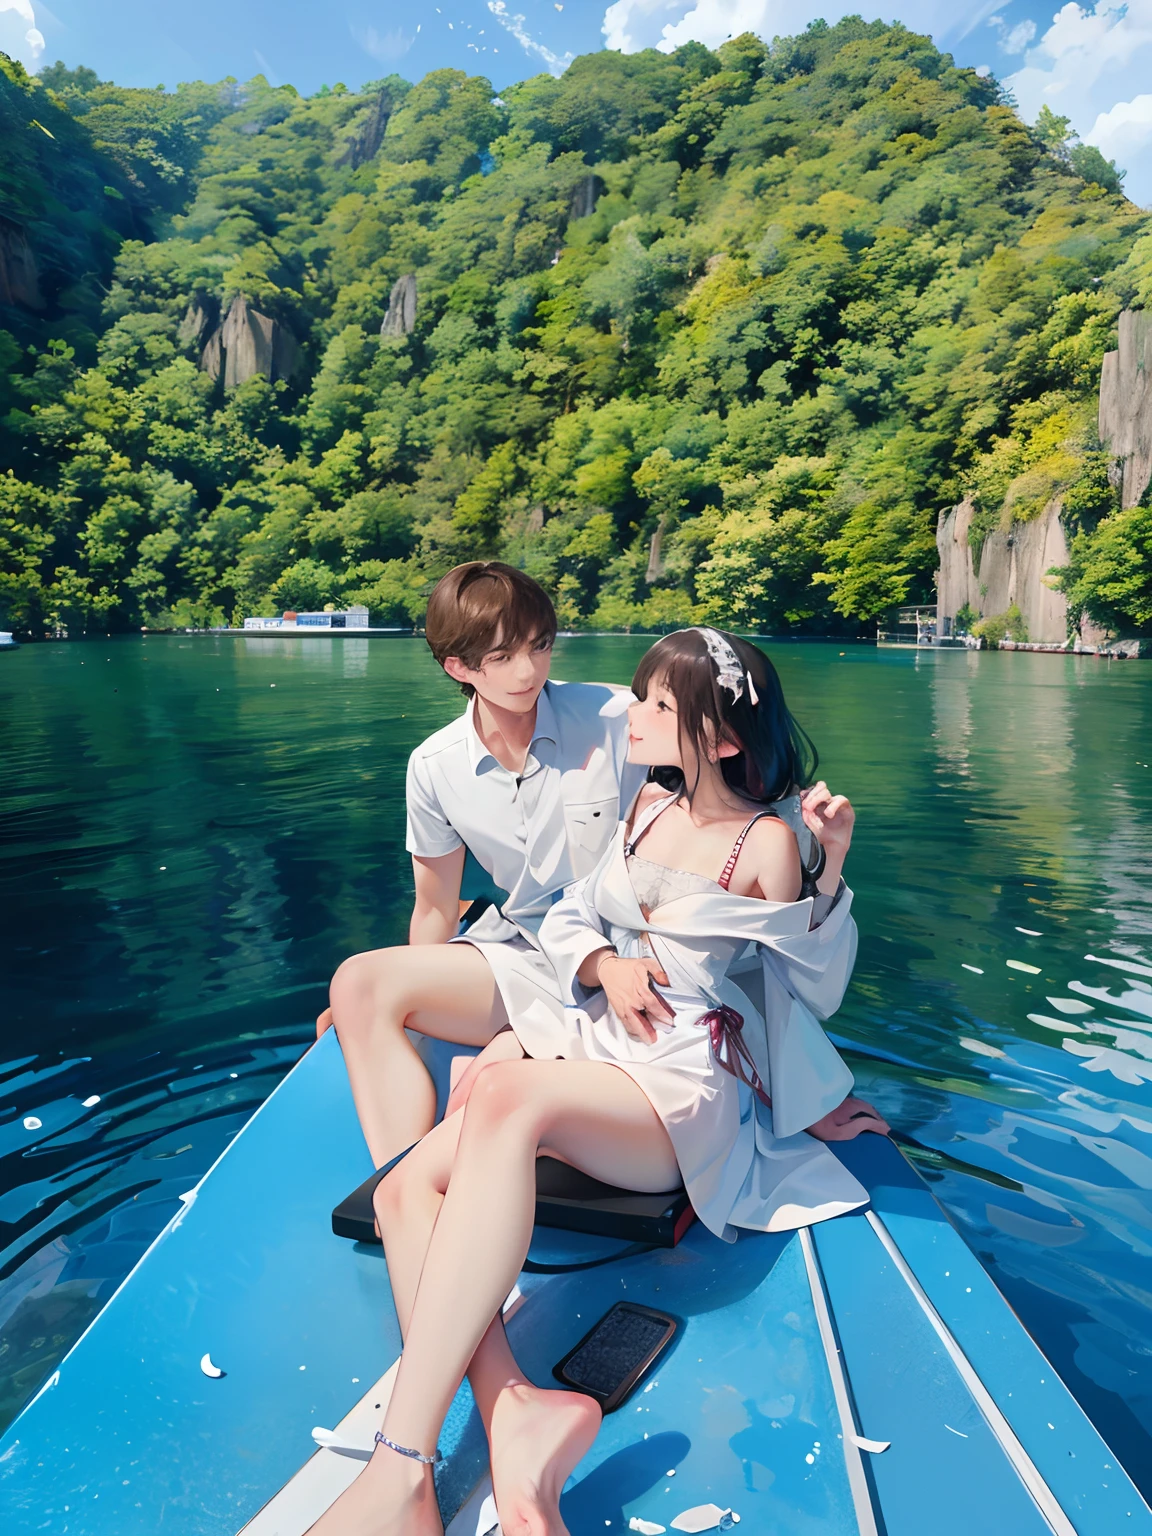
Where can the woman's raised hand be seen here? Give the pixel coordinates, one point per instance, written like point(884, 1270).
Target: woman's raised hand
point(633, 999)
point(831, 817)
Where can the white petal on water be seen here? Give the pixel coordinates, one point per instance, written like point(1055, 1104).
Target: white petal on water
point(959, 1432)
point(646, 1527)
point(1069, 1005)
point(33, 1123)
point(1018, 965)
point(1121, 965)
point(92, 1100)
point(875, 1446)
point(333, 1441)
point(975, 969)
point(1033, 933)
point(978, 1048)
point(702, 1517)
point(208, 1368)
point(1062, 1025)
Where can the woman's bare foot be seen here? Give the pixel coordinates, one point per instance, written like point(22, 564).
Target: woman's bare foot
point(848, 1120)
point(537, 1438)
point(393, 1496)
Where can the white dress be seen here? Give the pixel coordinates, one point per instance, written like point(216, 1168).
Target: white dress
point(744, 1164)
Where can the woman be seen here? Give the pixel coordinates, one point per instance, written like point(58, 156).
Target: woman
point(709, 1079)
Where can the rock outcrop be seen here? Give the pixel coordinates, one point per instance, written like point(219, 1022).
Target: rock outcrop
point(247, 343)
point(367, 139)
point(1011, 570)
point(1125, 422)
point(19, 275)
point(401, 316)
point(200, 319)
point(584, 198)
point(656, 552)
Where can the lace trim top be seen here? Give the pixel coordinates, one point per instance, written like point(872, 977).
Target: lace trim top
point(655, 884)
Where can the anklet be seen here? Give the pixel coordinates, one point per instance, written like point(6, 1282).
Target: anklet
point(403, 1450)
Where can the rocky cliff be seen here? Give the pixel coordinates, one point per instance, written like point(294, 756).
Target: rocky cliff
point(1011, 571)
point(1013, 564)
point(401, 316)
point(1126, 404)
point(244, 344)
point(19, 277)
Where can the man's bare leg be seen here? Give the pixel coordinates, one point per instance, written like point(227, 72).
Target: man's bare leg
point(443, 990)
point(407, 1204)
point(594, 1116)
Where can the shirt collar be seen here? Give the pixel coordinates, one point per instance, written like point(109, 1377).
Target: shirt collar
point(481, 760)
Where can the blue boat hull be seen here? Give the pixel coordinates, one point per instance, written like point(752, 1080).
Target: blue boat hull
point(879, 1326)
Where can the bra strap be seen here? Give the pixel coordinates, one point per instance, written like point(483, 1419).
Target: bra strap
point(657, 808)
point(726, 873)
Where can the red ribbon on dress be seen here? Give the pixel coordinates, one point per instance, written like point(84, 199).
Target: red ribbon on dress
point(725, 1028)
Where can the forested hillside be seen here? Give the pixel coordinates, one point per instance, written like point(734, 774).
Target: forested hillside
point(707, 334)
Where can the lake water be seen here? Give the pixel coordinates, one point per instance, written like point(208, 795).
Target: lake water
point(196, 830)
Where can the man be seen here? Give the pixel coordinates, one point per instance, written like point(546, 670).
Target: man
point(532, 778)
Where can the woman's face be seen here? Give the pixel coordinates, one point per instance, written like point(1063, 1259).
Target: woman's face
point(653, 730)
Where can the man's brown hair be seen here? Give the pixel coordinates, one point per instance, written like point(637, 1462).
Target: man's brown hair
point(482, 605)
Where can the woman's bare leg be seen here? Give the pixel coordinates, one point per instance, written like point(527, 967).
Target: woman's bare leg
point(595, 1117)
point(407, 1204)
point(443, 990)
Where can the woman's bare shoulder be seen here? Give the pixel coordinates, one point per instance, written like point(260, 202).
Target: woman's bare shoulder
point(773, 859)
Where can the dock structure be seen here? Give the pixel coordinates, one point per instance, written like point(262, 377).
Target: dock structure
point(355, 617)
point(917, 625)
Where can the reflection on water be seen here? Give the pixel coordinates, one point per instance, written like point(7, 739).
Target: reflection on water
point(1027, 842)
point(196, 830)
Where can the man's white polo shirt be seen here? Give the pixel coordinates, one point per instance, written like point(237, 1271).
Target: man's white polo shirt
point(537, 831)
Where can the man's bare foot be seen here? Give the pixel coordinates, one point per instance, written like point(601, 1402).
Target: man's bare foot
point(393, 1496)
point(537, 1438)
point(848, 1120)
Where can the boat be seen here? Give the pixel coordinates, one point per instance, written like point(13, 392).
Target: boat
point(863, 1377)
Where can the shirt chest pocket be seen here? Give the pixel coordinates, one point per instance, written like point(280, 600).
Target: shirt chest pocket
point(589, 825)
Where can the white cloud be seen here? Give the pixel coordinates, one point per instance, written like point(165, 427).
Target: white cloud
point(19, 35)
point(665, 24)
point(1018, 38)
point(1093, 66)
point(1125, 133)
point(386, 47)
point(515, 25)
point(1014, 39)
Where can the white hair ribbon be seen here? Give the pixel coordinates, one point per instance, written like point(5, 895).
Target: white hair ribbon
point(730, 673)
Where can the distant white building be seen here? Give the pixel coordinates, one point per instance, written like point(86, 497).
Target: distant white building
point(355, 617)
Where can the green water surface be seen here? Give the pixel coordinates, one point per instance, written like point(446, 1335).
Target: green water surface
point(195, 830)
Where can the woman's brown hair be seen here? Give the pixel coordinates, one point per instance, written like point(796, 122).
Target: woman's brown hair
point(775, 757)
point(484, 605)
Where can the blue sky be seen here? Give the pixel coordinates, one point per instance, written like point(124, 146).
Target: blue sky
point(1092, 64)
